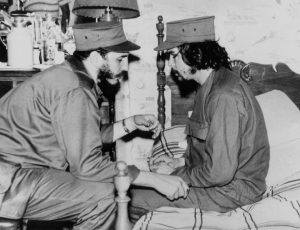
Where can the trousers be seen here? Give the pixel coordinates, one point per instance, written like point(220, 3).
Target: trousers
point(45, 194)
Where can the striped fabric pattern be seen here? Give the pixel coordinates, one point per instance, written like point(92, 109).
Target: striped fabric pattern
point(45, 6)
point(280, 209)
point(169, 142)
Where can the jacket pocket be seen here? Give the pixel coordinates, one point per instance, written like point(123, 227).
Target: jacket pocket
point(197, 129)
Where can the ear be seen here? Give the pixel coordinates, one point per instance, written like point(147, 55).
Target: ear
point(96, 59)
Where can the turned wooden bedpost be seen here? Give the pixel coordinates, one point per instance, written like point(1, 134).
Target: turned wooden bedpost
point(122, 184)
point(161, 77)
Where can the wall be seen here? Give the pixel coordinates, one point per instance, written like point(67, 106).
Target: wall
point(263, 31)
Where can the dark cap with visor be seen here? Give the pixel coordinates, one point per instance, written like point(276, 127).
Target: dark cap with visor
point(107, 35)
point(189, 30)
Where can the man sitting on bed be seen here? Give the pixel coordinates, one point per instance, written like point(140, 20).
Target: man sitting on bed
point(227, 157)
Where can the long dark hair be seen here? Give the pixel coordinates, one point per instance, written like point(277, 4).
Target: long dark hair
point(204, 55)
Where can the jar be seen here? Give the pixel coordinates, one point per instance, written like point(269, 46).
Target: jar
point(19, 45)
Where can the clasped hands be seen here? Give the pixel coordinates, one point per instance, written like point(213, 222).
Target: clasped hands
point(144, 122)
point(173, 187)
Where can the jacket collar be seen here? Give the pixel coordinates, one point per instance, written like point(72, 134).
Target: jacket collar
point(83, 76)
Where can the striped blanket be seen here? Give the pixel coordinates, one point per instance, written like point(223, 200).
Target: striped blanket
point(279, 209)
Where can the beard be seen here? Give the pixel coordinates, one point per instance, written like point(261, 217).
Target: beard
point(176, 75)
point(186, 87)
point(110, 90)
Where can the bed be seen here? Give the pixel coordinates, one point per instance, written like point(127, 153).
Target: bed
point(277, 89)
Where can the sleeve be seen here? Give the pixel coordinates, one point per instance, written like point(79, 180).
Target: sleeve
point(221, 146)
point(76, 120)
point(107, 133)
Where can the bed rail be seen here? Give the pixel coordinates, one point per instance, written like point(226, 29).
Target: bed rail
point(122, 184)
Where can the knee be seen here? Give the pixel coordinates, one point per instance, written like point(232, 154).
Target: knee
point(143, 198)
point(141, 203)
point(103, 191)
point(101, 195)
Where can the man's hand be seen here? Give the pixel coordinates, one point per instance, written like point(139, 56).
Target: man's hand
point(173, 187)
point(145, 122)
point(162, 168)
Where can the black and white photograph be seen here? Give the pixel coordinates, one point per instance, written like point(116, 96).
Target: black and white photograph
point(149, 114)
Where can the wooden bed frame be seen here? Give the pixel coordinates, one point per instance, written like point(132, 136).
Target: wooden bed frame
point(261, 78)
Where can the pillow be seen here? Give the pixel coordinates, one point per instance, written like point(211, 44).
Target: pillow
point(172, 142)
point(281, 115)
point(282, 119)
point(284, 162)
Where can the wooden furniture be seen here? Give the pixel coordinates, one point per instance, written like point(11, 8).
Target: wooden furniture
point(122, 183)
point(161, 77)
point(10, 78)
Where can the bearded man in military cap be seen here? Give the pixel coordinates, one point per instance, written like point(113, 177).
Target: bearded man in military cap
point(52, 165)
point(227, 156)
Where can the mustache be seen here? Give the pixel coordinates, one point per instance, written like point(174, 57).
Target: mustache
point(122, 75)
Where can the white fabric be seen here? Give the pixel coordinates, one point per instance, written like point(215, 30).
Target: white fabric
point(280, 210)
point(282, 117)
point(284, 162)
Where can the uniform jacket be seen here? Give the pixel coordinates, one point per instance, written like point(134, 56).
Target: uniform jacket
point(227, 158)
point(53, 121)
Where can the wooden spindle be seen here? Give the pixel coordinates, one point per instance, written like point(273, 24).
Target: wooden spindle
point(161, 76)
point(122, 184)
point(111, 112)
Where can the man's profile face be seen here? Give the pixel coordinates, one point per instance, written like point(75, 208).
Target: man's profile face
point(117, 63)
point(178, 67)
point(114, 69)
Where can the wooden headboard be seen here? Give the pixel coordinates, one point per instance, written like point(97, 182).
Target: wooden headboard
point(261, 78)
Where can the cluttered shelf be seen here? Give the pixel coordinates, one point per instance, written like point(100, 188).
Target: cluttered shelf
point(11, 77)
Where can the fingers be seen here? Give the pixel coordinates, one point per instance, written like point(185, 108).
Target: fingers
point(163, 168)
point(184, 188)
point(162, 158)
point(156, 131)
point(181, 190)
point(148, 122)
point(174, 196)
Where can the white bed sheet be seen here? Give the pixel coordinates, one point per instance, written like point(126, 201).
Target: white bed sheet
point(284, 162)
